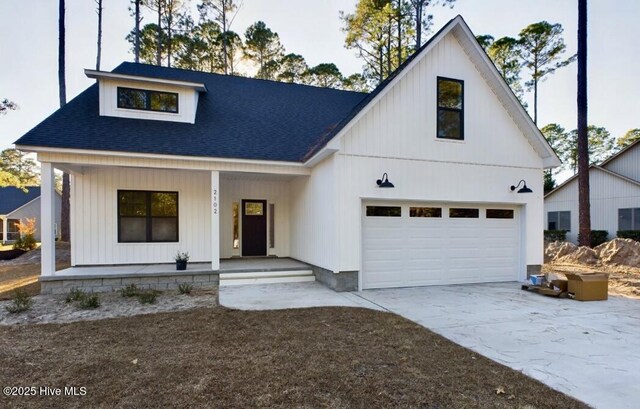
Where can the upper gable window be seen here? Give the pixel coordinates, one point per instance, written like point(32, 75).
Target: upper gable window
point(450, 109)
point(147, 100)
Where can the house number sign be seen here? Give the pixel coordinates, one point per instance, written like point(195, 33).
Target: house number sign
point(215, 201)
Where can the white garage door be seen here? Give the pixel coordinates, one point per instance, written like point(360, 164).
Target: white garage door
point(408, 245)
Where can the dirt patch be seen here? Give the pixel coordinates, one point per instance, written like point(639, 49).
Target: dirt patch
point(53, 309)
point(620, 258)
point(320, 357)
point(23, 272)
point(619, 252)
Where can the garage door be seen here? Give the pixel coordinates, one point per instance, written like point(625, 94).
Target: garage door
point(408, 245)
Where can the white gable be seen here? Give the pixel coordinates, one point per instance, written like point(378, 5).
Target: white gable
point(402, 123)
point(627, 163)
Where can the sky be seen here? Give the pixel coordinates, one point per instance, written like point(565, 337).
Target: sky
point(28, 50)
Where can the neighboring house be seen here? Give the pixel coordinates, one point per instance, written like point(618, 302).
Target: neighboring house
point(164, 159)
point(614, 193)
point(18, 205)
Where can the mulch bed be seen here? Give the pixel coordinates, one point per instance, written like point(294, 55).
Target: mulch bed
point(11, 254)
point(215, 357)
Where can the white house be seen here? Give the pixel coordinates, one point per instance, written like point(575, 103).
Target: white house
point(17, 205)
point(614, 193)
point(408, 185)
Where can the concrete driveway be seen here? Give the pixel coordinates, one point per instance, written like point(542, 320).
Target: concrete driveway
point(589, 350)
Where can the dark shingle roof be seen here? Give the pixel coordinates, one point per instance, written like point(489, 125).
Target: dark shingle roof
point(11, 197)
point(237, 118)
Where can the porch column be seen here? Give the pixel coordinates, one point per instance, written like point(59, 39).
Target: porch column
point(5, 234)
point(47, 219)
point(215, 220)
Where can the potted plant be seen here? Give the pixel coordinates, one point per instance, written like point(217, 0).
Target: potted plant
point(181, 260)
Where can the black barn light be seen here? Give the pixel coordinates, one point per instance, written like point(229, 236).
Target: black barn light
point(524, 188)
point(384, 182)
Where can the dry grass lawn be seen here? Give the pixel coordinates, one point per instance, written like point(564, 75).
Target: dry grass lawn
point(321, 357)
point(21, 276)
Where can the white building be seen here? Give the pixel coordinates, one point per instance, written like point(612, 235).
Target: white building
point(614, 193)
point(165, 160)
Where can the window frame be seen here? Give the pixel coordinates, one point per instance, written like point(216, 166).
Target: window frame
point(439, 108)
point(13, 235)
point(149, 217)
point(147, 100)
point(374, 208)
point(557, 220)
point(635, 222)
point(475, 212)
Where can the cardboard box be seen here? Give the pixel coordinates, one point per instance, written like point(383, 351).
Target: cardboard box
point(563, 285)
point(588, 286)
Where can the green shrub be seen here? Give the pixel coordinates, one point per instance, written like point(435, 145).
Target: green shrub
point(130, 291)
point(598, 237)
point(89, 301)
point(555, 235)
point(74, 295)
point(21, 302)
point(629, 234)
point(185, 288)
point(148, 297)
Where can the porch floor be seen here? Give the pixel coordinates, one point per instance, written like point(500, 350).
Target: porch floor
point(240, 265)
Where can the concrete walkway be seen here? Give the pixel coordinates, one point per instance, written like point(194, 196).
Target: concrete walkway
point(589, 350)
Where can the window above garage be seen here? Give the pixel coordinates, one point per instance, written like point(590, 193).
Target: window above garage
point(450, 109)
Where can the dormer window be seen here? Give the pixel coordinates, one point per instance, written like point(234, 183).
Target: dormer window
point(147, 100)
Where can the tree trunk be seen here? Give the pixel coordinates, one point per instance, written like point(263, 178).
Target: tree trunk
point(535, 93)
point(224, 37)
point(137, 46)
point(99, 53)
point(65, 219)
point(418, 25)
point(159, 39)
point(399, 24)
point(584, 212)
point(61, 55)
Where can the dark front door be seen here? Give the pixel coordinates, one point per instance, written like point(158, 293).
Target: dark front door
point(254, 227)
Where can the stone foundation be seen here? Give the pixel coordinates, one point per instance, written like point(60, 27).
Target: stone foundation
point(343, 281)
point(161, 282)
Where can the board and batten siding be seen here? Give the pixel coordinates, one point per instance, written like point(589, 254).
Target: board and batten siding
point(313, 216)
point(627, 164)
point(607, 194)
point(94, 221)
point(398, 136)
point(187, 101)
point(235, 189)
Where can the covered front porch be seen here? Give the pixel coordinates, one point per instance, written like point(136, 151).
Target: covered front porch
point(218, 216)
point(261, 270)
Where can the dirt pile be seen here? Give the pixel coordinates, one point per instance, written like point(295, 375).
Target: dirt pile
point(619, 252)
point(558, 249)
point(581, 255)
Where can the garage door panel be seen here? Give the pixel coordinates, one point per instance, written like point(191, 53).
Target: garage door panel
point(413, 251)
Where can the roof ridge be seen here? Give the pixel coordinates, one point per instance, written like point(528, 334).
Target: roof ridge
point(160, 67)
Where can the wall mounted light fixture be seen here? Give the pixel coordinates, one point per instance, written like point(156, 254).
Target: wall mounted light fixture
point(523, 189)
point(384, 182)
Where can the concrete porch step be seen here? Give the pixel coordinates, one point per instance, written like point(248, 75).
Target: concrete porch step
point(266, 277)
